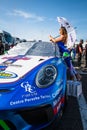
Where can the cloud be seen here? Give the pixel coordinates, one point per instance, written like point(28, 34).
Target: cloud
point(26, 15)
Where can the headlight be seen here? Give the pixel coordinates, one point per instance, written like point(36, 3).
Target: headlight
point(46, 76)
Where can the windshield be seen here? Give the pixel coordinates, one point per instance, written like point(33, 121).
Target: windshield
point(42, 49)
point(8, 38)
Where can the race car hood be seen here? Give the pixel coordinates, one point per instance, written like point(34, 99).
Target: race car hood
point(12, 68)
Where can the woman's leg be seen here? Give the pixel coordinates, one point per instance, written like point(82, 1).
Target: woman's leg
point(74, 74)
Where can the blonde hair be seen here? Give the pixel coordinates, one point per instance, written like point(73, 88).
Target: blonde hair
point(64, 32)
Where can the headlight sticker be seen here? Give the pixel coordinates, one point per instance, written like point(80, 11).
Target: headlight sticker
point(7, 75)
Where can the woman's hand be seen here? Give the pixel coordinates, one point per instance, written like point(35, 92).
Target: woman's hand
point(50, 37)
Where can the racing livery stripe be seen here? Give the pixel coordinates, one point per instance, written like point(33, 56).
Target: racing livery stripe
point(11, 60)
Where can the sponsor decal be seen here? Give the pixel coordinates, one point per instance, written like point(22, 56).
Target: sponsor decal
point(57, 107)
point(5, 65)
point(10, 60)
point(56, 101)
point(7, 75)
point(57, 92)
point(31, 96)
point(26, 95)
point(28, 88)
point(19, 57)
point(16, 102)
point(27, 100)
point(59, 82)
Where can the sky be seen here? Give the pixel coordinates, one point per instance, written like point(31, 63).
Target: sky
point(37, 19)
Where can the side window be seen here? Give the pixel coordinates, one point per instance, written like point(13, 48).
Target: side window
point(56, 51)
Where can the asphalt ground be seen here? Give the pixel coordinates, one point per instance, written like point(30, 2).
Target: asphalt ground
point(72, 117)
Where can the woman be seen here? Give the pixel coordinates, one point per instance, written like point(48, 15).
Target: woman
point(61, 41)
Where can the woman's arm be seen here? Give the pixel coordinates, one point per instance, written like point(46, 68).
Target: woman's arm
point(60, 38)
